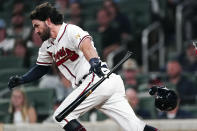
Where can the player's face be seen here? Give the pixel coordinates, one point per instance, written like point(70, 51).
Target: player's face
point(41, 29)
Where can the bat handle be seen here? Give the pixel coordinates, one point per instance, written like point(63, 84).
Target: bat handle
point(126, 57)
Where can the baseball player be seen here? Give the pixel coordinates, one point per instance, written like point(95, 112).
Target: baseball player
point(72, 50)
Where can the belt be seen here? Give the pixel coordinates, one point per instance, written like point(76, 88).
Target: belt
point(83, 78)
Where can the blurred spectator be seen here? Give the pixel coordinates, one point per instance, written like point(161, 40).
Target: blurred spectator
point(20, 110)
point(119, 19)
point(177, 113)
point(188, 59)
point(20, 50)
point(185, 88)
point(149, 82)
point(110, 37)
point(72, 1)
point(155, 80)
point(130, 71)
point(133, 99)
point(6, 44)
point(18, 7)
point(62, 5)
point(76, 17)
point(18, 28)
point(61, 85)
point(34, 40)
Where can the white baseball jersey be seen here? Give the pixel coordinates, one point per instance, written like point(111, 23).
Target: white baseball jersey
point(109, 97)
point(65, 52)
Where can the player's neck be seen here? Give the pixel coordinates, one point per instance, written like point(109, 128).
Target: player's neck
point(55, 30)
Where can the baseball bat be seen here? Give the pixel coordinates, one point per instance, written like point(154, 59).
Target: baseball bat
point(82, 97)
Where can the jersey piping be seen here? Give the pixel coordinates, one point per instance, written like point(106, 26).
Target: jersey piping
point(69, 71)
point(88, 84)
point(87, 36)
point(45, 63)
point(62, 33)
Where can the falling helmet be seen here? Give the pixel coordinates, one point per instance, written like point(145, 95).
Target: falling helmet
point(165, 99)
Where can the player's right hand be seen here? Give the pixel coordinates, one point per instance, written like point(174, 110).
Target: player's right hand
point(99, 67)
point(14, 81)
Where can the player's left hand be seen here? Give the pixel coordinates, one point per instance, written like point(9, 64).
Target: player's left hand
point(98, 67)
point(14, 81)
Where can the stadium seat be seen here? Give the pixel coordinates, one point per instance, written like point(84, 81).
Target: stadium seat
point(3, 86)
point(85, 117)
point(90, 8)
point(170, 86)
point(101, 116)
point(5, 74)
point(143, 88)
point(10, 62)
point(139, 12)
point(97, 41)
point(90, 25)
point(4, 105)
point(190, 108)
point(190, 76)
point(41, 99)
point(142, 78)
point(147, 103)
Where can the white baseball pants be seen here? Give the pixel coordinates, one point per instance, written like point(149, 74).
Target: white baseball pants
point(109, 98)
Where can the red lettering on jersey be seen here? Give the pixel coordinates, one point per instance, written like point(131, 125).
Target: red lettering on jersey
point(56, 56)
point(63, 52)
point(67, 54)
point(72, 54)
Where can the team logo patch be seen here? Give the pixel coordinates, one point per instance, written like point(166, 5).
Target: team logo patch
point(77, 36)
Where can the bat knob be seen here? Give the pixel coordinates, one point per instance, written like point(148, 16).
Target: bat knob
point(58, 119)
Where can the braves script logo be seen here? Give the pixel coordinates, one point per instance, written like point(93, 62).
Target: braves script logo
point(194, 43)
point(63, 55)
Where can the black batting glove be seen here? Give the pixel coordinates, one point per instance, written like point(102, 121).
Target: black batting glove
point(98, 67)
point(15, 81)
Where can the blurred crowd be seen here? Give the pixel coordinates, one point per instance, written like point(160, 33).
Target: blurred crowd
point(114, 34)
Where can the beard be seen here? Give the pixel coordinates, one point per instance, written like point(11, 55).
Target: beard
point(45, 35)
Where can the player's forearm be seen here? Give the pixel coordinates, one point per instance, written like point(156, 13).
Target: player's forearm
point(88, 50)
point(35, 73)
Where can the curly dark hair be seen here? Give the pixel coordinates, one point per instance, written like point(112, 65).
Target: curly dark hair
point(45, 11)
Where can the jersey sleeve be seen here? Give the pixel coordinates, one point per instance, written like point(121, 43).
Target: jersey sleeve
point(44, 57)
point(77, 35)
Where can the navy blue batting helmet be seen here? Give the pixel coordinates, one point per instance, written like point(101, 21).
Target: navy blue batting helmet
point(165, 99)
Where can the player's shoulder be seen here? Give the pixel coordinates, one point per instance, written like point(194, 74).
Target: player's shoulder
point(69, 25)
point(73, 28)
